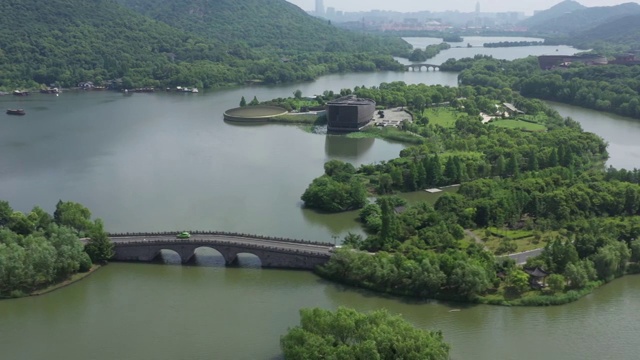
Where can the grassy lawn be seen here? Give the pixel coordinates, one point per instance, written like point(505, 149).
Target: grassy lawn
point(516, 124)
point(523, 240)
point(387, 133)
point(443, 116)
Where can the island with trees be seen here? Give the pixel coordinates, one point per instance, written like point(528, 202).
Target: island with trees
point(40, 252)
point(349, 334)
point(520, 188)
point(419, 55)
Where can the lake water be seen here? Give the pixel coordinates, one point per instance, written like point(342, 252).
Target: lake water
point(460, 50)
point(168, 161)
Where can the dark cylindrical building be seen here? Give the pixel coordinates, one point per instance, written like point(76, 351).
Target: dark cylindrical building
point(349, 113)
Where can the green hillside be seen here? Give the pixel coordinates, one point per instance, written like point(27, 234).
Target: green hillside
point(69, 41)
point(553, 12)
point(273, 24)
point(619, 35)
point(580, 20)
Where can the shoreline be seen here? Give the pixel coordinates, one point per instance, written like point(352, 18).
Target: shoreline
point(527, 301)
point(57, 286)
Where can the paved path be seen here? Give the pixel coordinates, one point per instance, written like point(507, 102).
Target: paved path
point(520, 258)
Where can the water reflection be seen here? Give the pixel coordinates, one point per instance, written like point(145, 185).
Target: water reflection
point(346, 149)
point(247, 260)
point(168, 257)
point(337, 225)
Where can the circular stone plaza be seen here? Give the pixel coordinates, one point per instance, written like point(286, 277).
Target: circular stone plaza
point(257, 113)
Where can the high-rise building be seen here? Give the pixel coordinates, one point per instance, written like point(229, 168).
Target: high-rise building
point(319, 7)
point(477, 7)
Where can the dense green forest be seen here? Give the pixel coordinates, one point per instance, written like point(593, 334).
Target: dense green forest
point(38, 249)
point(69, 41)
point(348, 334)
point(272, 25)
point(461, 151)
point(550, 183)
point(611, 38)
point(611, 88)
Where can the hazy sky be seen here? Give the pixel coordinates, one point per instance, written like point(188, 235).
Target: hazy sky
point(462, 5)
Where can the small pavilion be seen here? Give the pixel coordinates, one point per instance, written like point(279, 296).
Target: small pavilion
point(537, 277)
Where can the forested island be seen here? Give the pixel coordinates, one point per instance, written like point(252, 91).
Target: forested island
point(452, 38)
point(544, 187)
point(348, 334)
point(38, 250)
point(429, 52)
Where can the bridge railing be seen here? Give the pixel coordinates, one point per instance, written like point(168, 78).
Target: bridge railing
point(222, 243)
point(220, 233)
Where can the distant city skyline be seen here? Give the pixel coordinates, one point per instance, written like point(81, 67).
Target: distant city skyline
point(527, 6)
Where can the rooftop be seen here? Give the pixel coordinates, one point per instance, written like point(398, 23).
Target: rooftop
point(351, 100)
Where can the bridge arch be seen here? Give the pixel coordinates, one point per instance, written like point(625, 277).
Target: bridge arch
point(246, 259)
point(168, 256)
point(418, 67)
point(207, 255)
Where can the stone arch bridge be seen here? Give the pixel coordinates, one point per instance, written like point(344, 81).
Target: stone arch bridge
point(418, 67)
point(273, 252)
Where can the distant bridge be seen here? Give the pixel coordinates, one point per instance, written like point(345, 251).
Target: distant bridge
point(273, 252)
point(418, 67)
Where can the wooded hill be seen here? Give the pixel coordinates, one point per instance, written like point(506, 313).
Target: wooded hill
point(551, 13)
point(68, 41)
point(571, 18)
point(274, 24)
point(620, 35)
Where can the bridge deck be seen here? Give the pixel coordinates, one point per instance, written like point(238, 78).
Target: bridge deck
point(203, 239)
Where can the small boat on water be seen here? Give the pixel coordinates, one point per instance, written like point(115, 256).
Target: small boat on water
point(15, 112)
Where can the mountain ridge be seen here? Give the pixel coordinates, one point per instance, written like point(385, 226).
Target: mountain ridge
point(553, 12)
point(583, 19)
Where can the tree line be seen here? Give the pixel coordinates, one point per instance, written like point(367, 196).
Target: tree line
point(610, 88)
point(38, 249)
point(429, 52)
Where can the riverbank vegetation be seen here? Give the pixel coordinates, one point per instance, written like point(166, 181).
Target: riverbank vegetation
point(348, 334)
point(429, 52)
point(546, 188)
point(139, 43)
point(38, 250)
point(610, 88)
